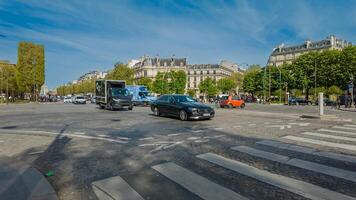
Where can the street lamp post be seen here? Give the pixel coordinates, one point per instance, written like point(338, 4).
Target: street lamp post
point(2, 76)
point(280, 85)
point(352, 92)
point(314, 78)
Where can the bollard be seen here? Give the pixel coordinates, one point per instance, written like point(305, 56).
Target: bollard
point(321, 104)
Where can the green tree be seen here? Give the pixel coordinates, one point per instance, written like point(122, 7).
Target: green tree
point(160, 85)
point(334, 90)
point(192, 92)
point(30, 67)
point(238, 78)
point(225, 85)
point(208, 87)
point(253, 80)
point(178, 82)
point(8, 79)
point(121, 72)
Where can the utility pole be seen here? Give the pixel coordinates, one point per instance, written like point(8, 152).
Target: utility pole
point(269, 85)
point(7, 88)
point(264, 85)
point(2, 76)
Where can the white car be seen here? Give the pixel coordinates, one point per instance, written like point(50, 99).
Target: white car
point(67, 100)
point(79, 100)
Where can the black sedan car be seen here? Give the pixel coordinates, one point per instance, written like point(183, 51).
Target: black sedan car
point(182, 106)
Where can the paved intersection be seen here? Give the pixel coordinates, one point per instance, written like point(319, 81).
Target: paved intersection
point(249, 154)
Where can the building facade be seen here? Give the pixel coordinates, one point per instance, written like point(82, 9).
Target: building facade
point(92, 75)
point(199, 72)
point(150, 66)
point(286, 54)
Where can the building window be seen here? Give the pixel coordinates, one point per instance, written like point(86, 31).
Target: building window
point(195, 85)
point(195, 78)
point(181, 64)
point(208, 72)
point(201, 72)
point(145, 73)
point(165, 64)
point(214, 72)
point(195, 72)
point(188, 72)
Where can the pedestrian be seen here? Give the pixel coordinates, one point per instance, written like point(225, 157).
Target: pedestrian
point(338, 102)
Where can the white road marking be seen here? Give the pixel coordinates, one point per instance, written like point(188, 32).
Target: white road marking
point(147, 138)
point(201, 141)
point(218, 128)
point(213, 137)
point(35, 152)
point(79, 133)
point(304, 189)
point(193, 138)
point(321, 142)
point(306, 150)
point(197, 131)
point(236, 126)
point(350, 125)
point(2, 141)
point(319, 168)
point(100, 135)
point(281, 127)
point(299, 124)
point(195, 183)
point(251, 125)
point(115, 188)
point(343, 127)
point(62, 135)
point(174, 134)
point(330, 136)
point(336, 131)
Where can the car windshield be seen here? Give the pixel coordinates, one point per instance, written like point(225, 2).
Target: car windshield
point(184, 99)
point(224, 97)
point(80, 97)
point(119, 92)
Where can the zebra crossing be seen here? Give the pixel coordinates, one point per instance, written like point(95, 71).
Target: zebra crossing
point(234, 160)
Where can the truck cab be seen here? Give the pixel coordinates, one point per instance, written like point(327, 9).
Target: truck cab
point(112, 94)
point(140, 95)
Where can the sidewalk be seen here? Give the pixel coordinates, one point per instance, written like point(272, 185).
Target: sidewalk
point(24, 183)
point(348, 109)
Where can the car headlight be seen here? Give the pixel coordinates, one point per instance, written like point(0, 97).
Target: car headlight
point(194, 110)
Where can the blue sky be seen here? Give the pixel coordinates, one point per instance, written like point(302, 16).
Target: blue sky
point(80, 36)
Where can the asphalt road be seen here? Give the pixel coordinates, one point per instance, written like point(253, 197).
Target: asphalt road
point(94, 153)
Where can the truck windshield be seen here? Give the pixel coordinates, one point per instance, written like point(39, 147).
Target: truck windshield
point(119, 92)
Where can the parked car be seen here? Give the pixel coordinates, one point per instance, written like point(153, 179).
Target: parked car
point(182, 106)
point(327, 102)
point(67, 100)
point(79, 100)
point(93, 99)
point(232, 102)
point(299, 101)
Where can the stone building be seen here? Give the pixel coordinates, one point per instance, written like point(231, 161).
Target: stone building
point(286, 54)
point(198, 72)
point(150, 66)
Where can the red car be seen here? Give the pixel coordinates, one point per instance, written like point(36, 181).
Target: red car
point(232, 102)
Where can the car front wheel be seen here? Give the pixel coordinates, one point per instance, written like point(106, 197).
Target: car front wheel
point(183, 115)
point(156, 111)
point(242, 106)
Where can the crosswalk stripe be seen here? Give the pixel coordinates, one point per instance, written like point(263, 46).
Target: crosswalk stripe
point(261, 154)
point(306, 150)
point(344, 127)
point(336, 131)
point(195, 183)
point(321, 142)
point(304, 189)
point(330, 136)
point(350, 125)
point(115, 188)
point(319, 168)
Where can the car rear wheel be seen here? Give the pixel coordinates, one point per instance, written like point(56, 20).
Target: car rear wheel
point(242, 106)
point(183, 115)
point(156, 111)
point(230, 106)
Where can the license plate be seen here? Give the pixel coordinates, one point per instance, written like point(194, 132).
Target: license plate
point(206, 114)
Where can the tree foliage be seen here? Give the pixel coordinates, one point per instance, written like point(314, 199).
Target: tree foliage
point(82, 87)
point(171, 82)
point(226, 85)
point(146, 82)
point(208, 87)
point(121, 72)
point(30, 68)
